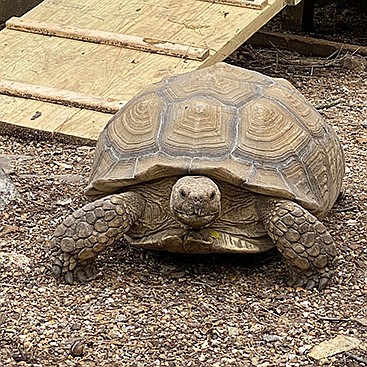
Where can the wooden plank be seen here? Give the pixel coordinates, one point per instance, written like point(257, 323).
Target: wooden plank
point(50, 120)
point(115, 73)
point(59, 96)
point(251, 4)
point(304, 45)
point(109, 38)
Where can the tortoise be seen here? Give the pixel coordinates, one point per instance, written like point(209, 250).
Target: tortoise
point(220, 159)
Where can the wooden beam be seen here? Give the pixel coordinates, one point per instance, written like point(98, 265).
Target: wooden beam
point(252, 4)
point(59, 96)
point(304, 45)
point(109, 38)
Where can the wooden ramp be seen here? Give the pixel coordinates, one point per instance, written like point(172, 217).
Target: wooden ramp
point(68, 65)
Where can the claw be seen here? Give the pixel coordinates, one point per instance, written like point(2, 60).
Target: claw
point(299, 283)
point(322, 283)
point(89, 271)
point(56, 270)
point(69, 278)
point(311, 284)
point(81, 275)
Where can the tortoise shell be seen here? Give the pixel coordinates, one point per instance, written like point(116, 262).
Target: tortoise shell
point(230, 124)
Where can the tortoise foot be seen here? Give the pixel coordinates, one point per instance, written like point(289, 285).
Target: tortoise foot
point(309, 279)
point(69, 269)
point(303, 240)
point(79, 239)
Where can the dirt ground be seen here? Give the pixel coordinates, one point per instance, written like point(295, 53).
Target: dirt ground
point(158, 309)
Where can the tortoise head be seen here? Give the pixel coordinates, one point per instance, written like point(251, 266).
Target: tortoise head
point(195, 201)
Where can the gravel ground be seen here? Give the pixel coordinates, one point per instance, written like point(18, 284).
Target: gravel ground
point(158, 309)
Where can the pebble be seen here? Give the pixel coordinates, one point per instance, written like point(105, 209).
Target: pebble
point(8, 190)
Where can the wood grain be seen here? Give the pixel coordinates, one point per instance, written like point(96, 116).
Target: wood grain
point(109, 38)
point(64, 97)
point(251, 4)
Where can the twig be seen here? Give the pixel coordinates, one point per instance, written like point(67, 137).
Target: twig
point(347, 209)
point(269, 311)
point(329, 104)
point(356, 358)
point(334, 319)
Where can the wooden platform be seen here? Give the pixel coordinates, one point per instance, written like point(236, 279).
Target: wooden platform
point(63, 73)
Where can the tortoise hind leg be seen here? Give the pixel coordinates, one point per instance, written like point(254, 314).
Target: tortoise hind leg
point(88, 231)
point(303, 241)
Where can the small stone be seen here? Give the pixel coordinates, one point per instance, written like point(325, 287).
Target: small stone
point(65, 257)
point(311, 219)
point(282, 212)
point(89, 207)
point(299, 220)
point(56, 270)
point(77, 349)
point(271, 338)
point(93, 239)
point(233, 331)
point(327, 239)
point(8, 190)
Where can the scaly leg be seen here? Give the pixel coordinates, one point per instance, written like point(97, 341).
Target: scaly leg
point(302, 239)
point(89, 230)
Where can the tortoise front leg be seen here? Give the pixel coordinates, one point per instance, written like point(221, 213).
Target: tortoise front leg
point(302, 239)
point(89, 230)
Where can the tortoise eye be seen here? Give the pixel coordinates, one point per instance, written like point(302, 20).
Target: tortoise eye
point(183, 194)
point(212, 195)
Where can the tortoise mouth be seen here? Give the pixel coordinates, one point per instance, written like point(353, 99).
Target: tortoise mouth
point(195, 220)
